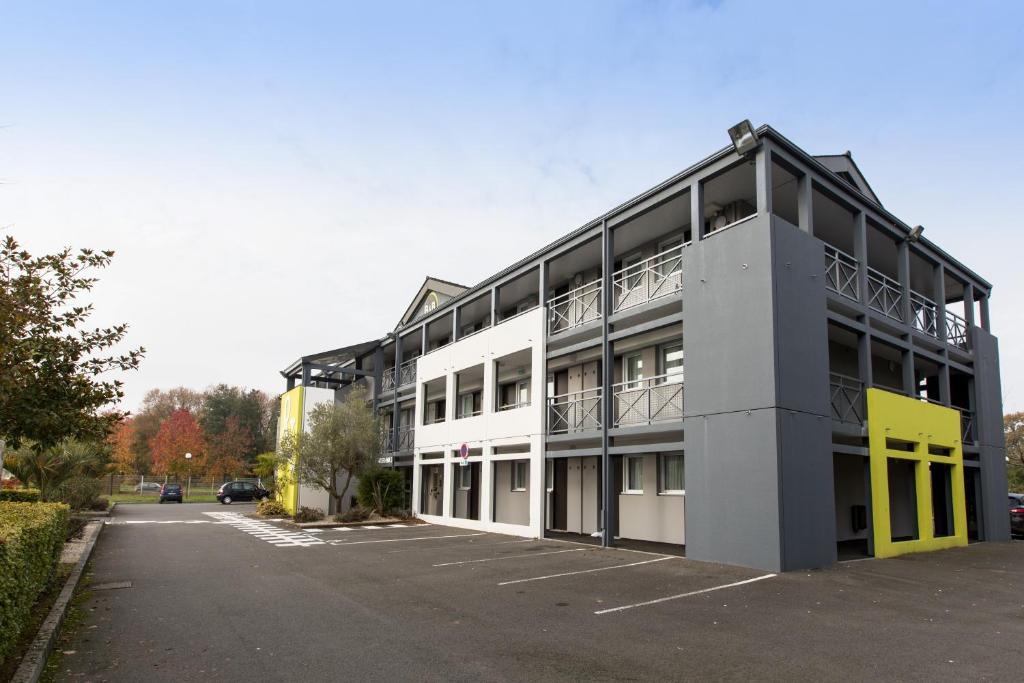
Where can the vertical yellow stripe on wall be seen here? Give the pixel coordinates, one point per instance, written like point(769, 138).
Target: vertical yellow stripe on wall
point(289, 422)
point(909, 420)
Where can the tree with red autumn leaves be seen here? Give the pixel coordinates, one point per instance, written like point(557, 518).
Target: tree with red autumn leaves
point(227, 448)
point(178, 434)
point(123, 456)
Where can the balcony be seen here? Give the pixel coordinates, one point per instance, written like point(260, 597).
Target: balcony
point(885, 295)
point(648, 401)
point(406, 376)
point(578, 411)
point(966, 425)
point(405, 441)
point(575, 308)
point(841, 273)
point(847, 398)
point(923, 316)
point(653, 278)
point(956, 331)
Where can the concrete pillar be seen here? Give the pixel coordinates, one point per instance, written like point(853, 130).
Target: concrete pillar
point(969, 304)
point(864, 359)
point(860, 252)
point(487, 485)
point(909, 377)
point(903, 267)
point(939, 286)
point(696, 211)
point(985, 323)
point(448, 496)
point(805, 203)
point(763, 179)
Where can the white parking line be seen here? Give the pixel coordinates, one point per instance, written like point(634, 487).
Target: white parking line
point(399, 540)
point(510, 557)
point(584, 571)
point(684, 595)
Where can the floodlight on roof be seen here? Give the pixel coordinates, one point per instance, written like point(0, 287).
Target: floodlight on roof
point(915, 234)
point(744, 139)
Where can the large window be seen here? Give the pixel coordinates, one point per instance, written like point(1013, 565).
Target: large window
point(672, 478)
point(519, 474)
point(633, 371)
point(672, 362)
point(469, 404)
point(465, 477)
point(514, 395)
point(633, 477)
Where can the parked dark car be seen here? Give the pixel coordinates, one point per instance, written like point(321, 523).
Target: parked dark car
point(1017, 514)
point(240, 491)
point(170, 492)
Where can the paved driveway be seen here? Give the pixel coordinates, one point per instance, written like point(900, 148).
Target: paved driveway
point(217, 595)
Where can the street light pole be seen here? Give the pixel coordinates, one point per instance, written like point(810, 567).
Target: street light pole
point(188, 486)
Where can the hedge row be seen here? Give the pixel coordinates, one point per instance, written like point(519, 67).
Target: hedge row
point(19, 495)
point(31, 538)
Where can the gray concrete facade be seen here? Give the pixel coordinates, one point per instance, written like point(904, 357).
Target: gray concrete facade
point(758, 434)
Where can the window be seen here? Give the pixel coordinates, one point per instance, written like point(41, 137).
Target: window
point(469, 404)
point(549, 476)
point(672, 362)
point(634, 474)
point(672, 477)
point(465, 477)
point(634, 371)
point(514, 395)
point(519, 474)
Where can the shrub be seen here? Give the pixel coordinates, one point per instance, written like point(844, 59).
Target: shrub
point(268, 507)
point(353, 514)
point(306, 514)
point(381, 491)
point(100, 505)
point(31, 538)
point(77, 492)
point(19, 496)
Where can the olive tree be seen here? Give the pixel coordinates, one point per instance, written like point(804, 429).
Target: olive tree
point(339, 444)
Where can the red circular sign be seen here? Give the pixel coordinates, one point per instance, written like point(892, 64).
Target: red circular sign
point(464, 451)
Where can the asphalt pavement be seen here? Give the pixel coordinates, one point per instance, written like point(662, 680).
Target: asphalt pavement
point(216, 595)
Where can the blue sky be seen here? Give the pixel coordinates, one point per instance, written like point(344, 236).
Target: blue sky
point(277, 179)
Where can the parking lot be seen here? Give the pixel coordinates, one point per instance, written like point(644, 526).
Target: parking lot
point(214, 593)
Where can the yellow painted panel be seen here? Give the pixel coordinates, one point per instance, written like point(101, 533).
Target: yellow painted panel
point(893, 416)
point(289, 422)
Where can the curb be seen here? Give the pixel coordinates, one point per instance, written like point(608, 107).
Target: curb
point(34, 662)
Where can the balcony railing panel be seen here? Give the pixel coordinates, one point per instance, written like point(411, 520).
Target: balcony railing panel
point(847, 398)
point(885, 295)
point(652, 278)
point(923, 314)
point(407, 373)
point(956, 330)
point(387, 379)
point(406, 439)
point(841, 273)
point(966, 425)
point(575, 308)
point(648, 401)
point(578, 411)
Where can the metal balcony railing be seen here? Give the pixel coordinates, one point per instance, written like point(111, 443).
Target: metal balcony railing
point(654, 277)
point(966, 425)
point(575, 308)
point(387, 379)
point(846, 398)
point(885, 295)
point(648, 400)
point(578, 411)
point(923, 315)
point(956, 331)
point(405, 440)
point(841, 273)
point(407, 373)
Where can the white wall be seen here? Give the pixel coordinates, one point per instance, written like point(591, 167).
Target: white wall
point(311, 496)
point(510, 507)
point(650, 516)
point(491, 430)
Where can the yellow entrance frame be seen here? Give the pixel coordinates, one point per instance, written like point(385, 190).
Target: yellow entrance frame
point(289, 422)
point(919, 423)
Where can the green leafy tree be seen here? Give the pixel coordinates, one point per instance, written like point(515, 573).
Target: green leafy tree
point(381, 490)
point(341, 443)
point(1013, 430)
point(249, 409)
point(55, 372)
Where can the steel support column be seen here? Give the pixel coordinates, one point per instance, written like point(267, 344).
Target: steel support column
point(608, 498)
